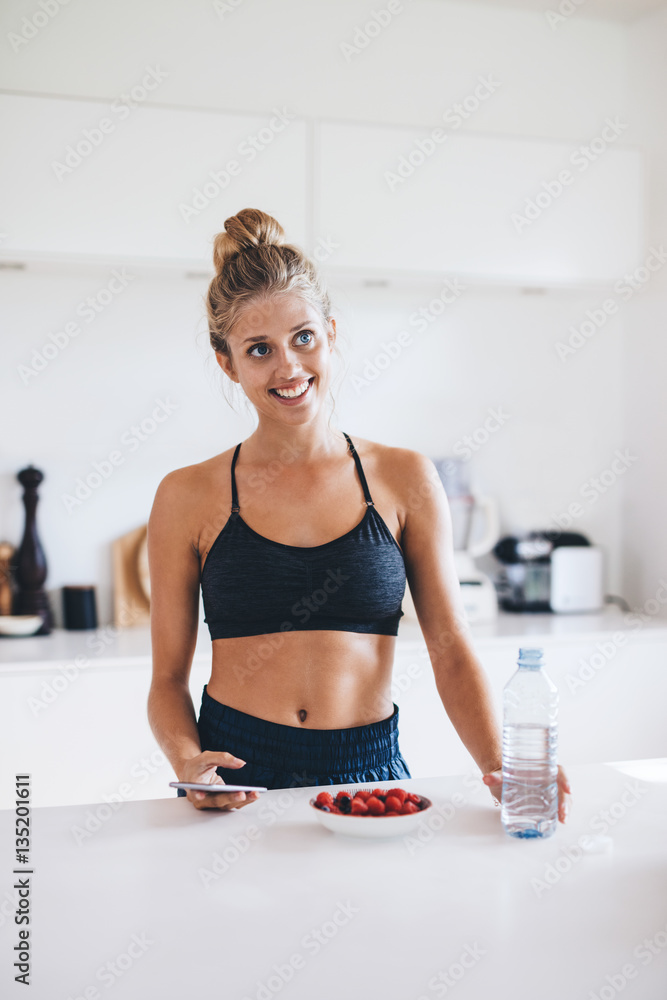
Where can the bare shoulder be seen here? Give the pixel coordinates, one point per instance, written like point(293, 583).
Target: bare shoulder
point(394, 462)
point(183, 483)
point(183, 496)
point(405, 473)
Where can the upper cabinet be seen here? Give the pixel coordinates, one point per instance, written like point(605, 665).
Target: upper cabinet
point(127, 180)
point(488, 207)
point(90, 178)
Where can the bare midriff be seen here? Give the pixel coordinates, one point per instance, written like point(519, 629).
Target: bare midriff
point(316, 680)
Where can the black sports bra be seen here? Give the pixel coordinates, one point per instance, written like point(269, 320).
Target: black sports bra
point(252, 585)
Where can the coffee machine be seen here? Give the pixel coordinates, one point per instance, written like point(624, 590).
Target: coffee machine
point(549, 570)
point(476, 530)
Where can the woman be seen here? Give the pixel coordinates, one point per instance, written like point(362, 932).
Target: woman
point(302, 565)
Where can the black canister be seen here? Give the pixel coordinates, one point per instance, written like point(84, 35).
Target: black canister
point(79, 607)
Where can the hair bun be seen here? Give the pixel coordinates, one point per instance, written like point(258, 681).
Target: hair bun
point(248, 228)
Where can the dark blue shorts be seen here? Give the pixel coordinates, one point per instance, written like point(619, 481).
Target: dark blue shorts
point(279, 756)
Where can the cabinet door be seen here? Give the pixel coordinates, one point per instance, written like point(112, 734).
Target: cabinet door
point(457, 206)
point(157, 184)
point(85, 738)
point(612, 693)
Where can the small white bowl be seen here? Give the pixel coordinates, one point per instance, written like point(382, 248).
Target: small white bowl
point(371, 826)
point(19, 624)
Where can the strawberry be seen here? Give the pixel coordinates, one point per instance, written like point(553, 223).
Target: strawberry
point(375, 806)
point(412, 797)
point(324, 799)
point(362, 795)
point(409, 807)
point(379, 793)
point(392, 812)
point(393, 803)
point(359, 807)
point(336, 810)
point(399, 793)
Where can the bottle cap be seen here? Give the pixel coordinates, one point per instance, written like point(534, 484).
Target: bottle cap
point(530, 656)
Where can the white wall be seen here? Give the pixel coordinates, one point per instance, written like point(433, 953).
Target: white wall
point(150, 344)
point(645, 531)
point(491, 351)
point(493, 348)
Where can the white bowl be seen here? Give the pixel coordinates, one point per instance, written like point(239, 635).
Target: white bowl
point(19, 624)
point(370, 826)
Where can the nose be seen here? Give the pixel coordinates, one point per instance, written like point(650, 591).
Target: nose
point(287, 363)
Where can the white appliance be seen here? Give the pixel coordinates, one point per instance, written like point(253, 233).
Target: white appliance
point(576, 579)
point(469, 515)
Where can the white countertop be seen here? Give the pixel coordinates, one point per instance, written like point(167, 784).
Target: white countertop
point(501, 918)
point(132, 646)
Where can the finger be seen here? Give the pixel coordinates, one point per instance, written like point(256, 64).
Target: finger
point(222, 758)
point(494, 778)
point(563, 796)
point(193, 794)
point(563, 779)
point(227, 801)
point(216, 800)
point(563, 806)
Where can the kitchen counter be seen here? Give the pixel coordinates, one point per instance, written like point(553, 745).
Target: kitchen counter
point(132, 646)
point(157, 899)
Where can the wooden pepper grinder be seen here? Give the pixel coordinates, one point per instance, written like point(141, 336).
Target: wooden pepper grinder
point(29, 562)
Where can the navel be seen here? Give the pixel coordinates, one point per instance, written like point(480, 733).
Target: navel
point(302, 714)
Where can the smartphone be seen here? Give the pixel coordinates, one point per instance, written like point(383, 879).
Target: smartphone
point(213, 789)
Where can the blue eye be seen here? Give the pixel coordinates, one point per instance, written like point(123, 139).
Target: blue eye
point(265, 347)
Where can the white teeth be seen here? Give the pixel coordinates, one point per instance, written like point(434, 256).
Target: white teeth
point(297, 390)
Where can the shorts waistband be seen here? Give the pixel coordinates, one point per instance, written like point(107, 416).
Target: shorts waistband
point(272, 744)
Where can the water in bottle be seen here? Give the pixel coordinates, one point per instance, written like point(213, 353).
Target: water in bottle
point(530, 746)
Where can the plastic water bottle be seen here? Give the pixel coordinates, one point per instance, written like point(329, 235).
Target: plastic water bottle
point(530, 746)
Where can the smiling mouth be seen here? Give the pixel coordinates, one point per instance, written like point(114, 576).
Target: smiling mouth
point(295, 391)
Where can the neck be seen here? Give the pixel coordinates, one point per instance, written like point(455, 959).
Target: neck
point(301, 443)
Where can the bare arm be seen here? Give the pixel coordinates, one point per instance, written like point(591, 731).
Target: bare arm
point(174, 572)
point(429, 557)
point(460, 677)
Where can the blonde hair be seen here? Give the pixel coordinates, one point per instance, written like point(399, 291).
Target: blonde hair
point(252, 261)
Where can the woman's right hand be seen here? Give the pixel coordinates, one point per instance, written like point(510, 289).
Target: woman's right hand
point(202, 769)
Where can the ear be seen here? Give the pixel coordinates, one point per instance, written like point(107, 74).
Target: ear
point(331, 332)
point(225, 363)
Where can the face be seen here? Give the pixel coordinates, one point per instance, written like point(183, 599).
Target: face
point(281, 357)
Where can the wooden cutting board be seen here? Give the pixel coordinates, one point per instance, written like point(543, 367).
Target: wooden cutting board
point(131, 582)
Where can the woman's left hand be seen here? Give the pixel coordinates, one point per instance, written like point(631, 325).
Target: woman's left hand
point(494, 781)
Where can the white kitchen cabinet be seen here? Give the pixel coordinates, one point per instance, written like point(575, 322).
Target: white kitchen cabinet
point(100, 180)
point(453, 208)
point(83, 732)
point(88, 178)
point(611, 707)
point(84, 735)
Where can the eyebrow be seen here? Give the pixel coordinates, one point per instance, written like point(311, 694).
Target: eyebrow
point(253, 340)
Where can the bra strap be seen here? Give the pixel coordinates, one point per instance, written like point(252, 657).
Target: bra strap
point(235, 499)
point(362, 477)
